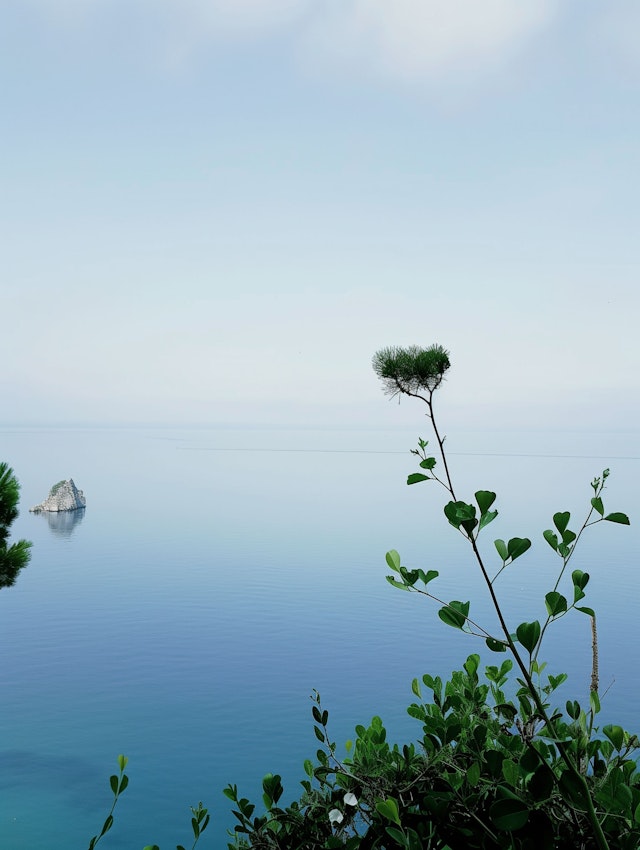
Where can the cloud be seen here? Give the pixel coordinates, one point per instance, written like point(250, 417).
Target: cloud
point(428, 39)
point(402, 39)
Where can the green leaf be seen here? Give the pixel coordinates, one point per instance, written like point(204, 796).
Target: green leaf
point(393, 560)
point(428, 463)
point(528, 635)
point(552, 539)
point(580, 579)
point(510, 772)
point(107, 825)
point(615, 734)
point(416, 477)
point(622, 519)
point(594, 700)
point(410, 577)
point(428, 576)
point(460, 513)
point(495, 645)
point(485, 519)
point(573, 789)
point(389, 809)
point(556, 603)
point(473, 774)
point(415, 687)
point(596, 503)
point(485, 498)
point(399, 584)
point(471, 665)
point(308, 767)
point(455, 614)
point(588, 611)
point(517, 546)
point(398, 836)
point(113, 782)
point(556, 681)
point(542, 783)
point(573, 709)
point(501, 548)
point(509, 815)
point(561, 520)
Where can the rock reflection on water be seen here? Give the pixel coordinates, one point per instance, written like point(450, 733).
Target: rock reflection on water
point(62, 523)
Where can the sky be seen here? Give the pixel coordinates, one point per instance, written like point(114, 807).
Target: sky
point(216, 211)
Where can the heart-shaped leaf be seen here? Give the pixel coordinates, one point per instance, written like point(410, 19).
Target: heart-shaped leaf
point(623, 519)
point(556, 603)
point(485, 498)
point(528, 635)
point(517, 546)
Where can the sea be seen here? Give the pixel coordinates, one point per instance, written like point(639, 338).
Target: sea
point(217, 577)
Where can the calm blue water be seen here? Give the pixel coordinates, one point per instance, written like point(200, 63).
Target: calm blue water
point(216, 577)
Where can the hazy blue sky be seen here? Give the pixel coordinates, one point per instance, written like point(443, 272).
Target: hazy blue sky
point(217, 210)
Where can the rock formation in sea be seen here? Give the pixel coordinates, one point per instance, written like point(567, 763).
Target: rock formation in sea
point(63, 496)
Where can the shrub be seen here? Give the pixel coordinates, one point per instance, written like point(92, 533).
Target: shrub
point(496, 764)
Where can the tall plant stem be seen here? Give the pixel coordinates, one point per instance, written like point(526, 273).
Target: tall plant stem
point(591, 812)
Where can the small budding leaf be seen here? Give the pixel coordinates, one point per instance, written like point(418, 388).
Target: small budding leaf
point(622, 519)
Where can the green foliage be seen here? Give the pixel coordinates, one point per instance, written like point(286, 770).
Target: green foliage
point(495, 764)
point(118, 784)
point(14, 557)
point(411, 370)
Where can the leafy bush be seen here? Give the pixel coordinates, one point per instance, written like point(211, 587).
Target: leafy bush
point(15, 556)
point(496, 764)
